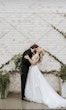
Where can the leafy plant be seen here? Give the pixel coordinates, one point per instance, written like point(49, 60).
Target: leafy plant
point(4, 80)
point(63, 73)
point(17, 61)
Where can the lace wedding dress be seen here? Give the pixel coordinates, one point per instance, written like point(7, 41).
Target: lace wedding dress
point(38, 90)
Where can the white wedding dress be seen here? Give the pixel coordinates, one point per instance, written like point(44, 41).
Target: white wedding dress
point(38, 90)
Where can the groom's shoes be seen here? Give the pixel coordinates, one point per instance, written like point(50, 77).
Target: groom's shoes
point(23, 98)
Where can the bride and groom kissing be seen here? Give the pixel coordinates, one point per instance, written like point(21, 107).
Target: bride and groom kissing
point(34, 87)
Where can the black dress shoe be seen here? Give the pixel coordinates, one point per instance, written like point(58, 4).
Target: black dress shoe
point(24, 99)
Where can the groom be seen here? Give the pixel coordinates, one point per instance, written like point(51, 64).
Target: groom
point(25, 64)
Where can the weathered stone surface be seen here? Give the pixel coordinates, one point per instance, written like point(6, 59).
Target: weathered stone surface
point(15, 83)
point(23, 23)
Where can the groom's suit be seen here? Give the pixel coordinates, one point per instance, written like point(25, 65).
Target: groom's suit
point(24, 70)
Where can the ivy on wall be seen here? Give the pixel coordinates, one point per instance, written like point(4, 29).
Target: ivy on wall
point(17, 61)
point(63, 73)
point(63, 66)
point(61, 32)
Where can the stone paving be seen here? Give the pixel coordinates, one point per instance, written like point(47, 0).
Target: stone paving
point(14, 101)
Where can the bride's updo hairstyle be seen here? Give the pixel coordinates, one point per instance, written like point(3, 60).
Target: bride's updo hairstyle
point(34, 46)
point(41, 53)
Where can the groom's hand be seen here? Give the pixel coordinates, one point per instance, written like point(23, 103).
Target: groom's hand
point(26, 57)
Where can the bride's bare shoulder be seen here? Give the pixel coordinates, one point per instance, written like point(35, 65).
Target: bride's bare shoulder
point(35, 56)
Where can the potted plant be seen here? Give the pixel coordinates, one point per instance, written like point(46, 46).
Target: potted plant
point(4, 83)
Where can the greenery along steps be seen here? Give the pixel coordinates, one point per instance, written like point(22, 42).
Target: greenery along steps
point(61, 73)
point(17, 60)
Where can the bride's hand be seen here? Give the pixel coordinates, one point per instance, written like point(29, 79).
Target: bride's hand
point(26, 57)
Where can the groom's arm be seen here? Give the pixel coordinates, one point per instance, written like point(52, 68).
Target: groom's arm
point(34, 61)
point(27, 52)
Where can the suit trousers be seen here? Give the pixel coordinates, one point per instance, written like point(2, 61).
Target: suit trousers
point(23, 83)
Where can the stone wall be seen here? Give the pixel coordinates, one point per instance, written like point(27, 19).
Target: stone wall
point(23, 23)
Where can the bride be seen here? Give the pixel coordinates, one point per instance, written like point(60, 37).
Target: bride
point(37, 88)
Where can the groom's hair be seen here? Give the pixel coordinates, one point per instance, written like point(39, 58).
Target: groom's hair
point(34, 46)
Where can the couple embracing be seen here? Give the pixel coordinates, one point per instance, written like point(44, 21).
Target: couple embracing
point(34, 87)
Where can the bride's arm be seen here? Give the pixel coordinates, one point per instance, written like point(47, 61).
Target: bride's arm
point(34, 60)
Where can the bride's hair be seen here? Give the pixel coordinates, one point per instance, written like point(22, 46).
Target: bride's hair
point(34, 46)
point(41, 57)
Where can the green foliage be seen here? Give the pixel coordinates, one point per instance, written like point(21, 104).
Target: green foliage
point(63, 73)
point(63, 34)
point(4, 80)
point(17, 61)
